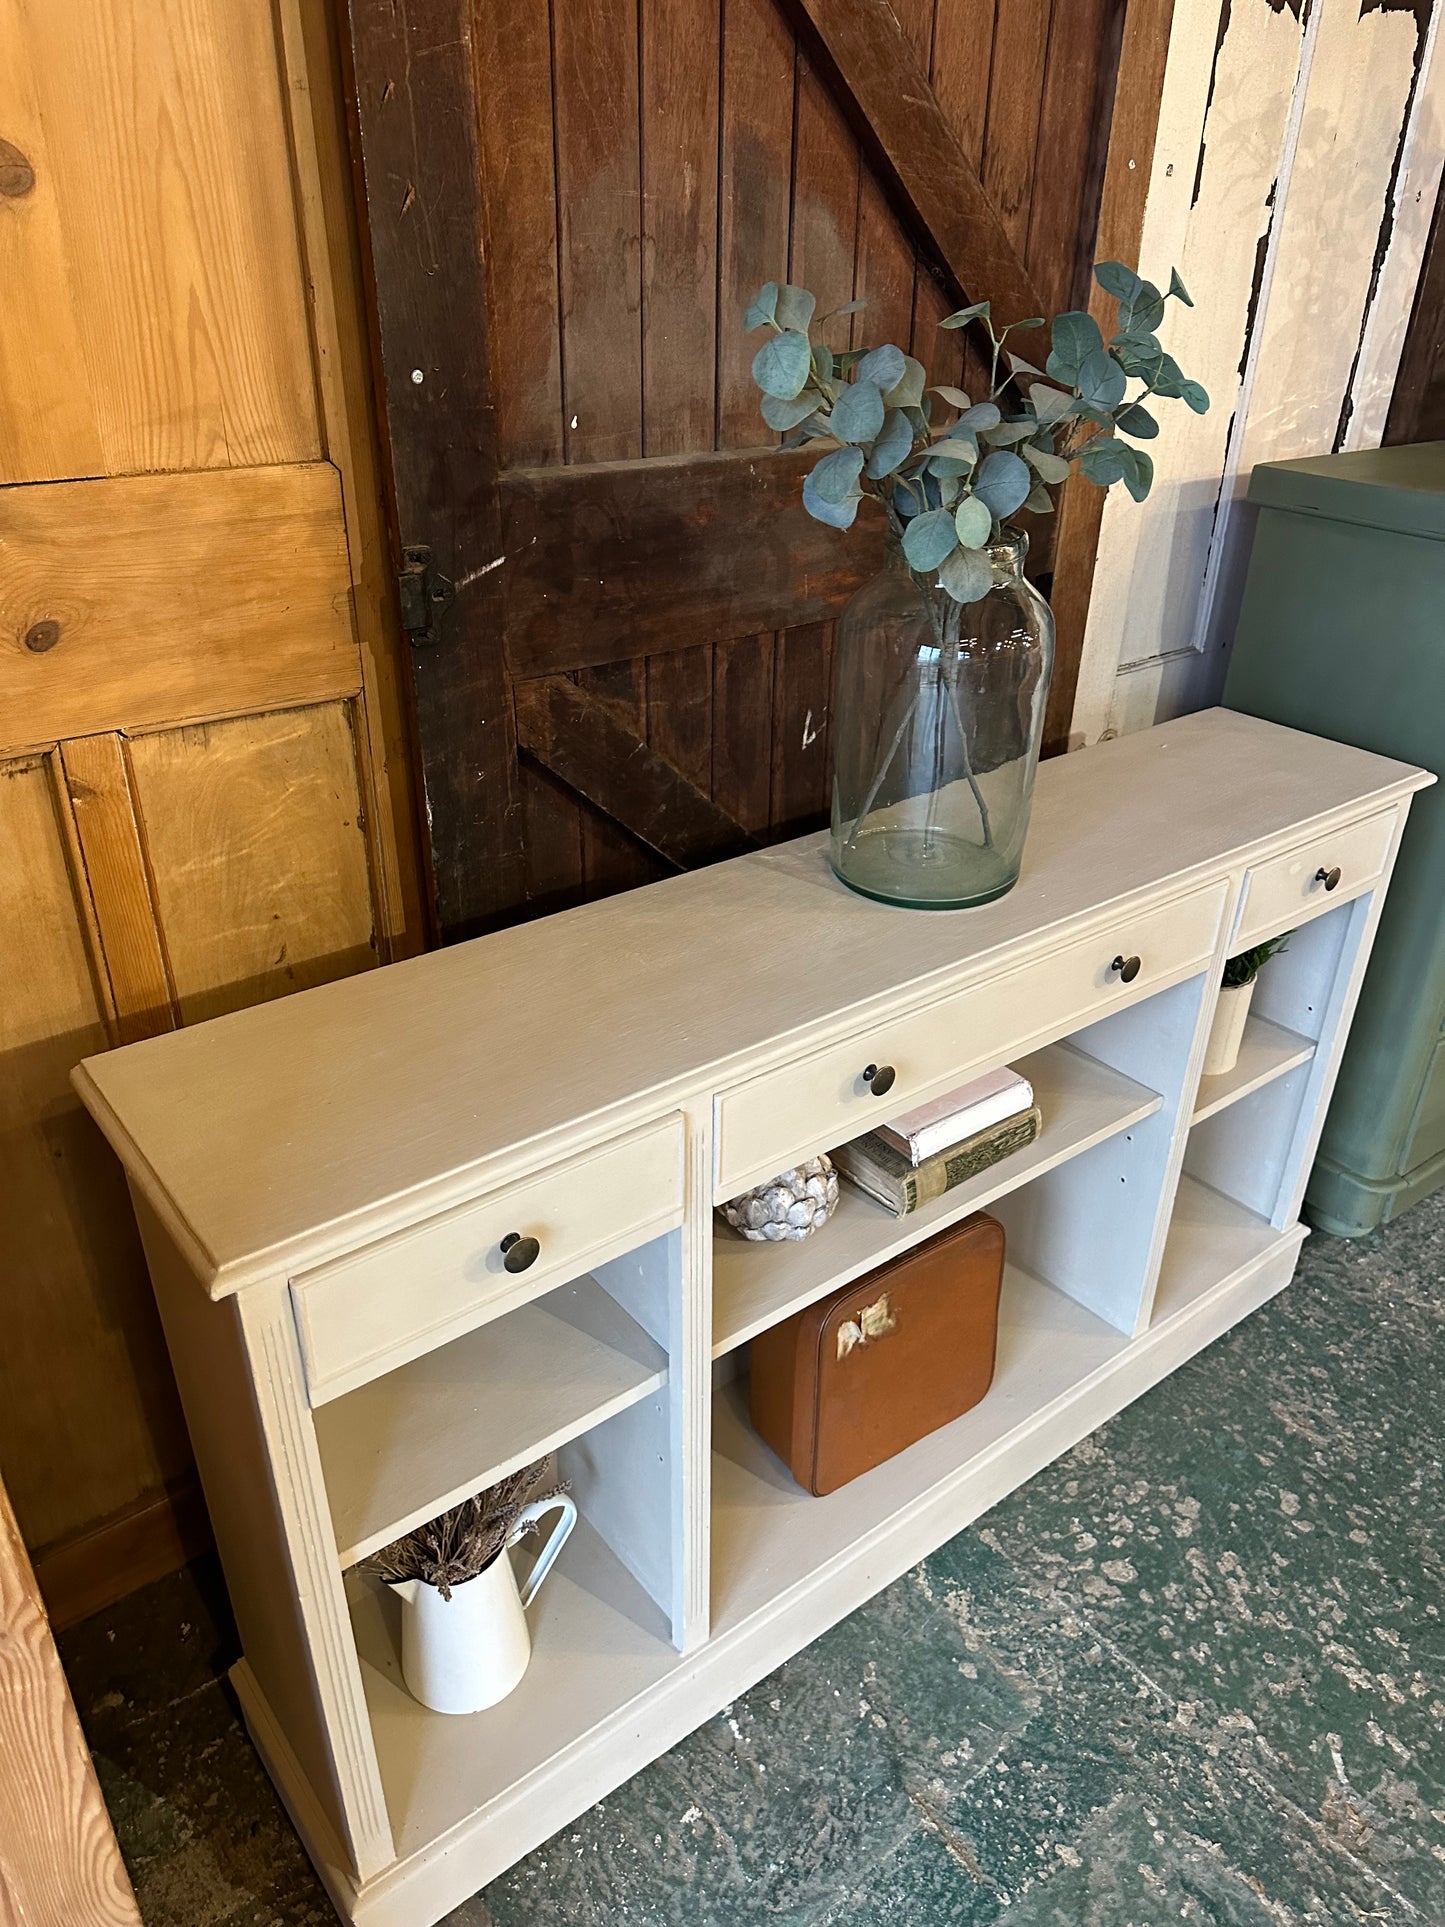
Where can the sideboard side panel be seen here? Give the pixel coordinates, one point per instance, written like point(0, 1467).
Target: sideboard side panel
point(239, 1370)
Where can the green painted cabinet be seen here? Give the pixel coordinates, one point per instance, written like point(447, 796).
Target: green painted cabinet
point(1342, 633)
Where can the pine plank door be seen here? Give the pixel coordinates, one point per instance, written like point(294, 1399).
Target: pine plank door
point(622, 621)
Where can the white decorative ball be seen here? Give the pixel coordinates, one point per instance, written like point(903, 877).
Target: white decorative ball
point(790, 1206)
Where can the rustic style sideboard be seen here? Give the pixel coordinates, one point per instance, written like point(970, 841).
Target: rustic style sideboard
point(328, 1188)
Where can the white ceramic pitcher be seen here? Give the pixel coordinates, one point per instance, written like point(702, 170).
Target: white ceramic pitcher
point(461, 1654)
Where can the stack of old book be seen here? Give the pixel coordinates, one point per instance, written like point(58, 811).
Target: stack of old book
point(940, 1145)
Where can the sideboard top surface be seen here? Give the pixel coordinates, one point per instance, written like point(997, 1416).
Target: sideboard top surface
point(264, 1128)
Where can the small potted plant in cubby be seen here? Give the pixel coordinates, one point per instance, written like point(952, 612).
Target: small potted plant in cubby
point(1232, 1011)
point(464, 1638)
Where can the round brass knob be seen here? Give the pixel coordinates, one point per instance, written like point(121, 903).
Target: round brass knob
point(879, 1078)
point(1329, 878)
point(1127, 967)
point(519, 1252)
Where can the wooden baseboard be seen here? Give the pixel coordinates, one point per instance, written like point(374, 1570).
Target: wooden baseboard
point(84, 1575)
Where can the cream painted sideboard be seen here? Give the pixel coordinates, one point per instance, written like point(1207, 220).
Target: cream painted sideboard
point(328, 1188)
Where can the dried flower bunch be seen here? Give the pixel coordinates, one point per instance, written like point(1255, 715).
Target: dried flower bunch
point(461, 1543)
point(949, 488)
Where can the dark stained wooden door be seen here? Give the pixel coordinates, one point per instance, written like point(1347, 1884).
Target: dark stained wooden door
point(569, 206)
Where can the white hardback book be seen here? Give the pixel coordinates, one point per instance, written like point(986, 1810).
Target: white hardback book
point(930, 1128)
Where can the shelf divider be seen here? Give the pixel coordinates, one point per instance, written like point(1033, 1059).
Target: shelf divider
point(402, 1448)
point(755, 1285)
point(1267, 1051)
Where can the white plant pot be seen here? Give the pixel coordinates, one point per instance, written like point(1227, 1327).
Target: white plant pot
point(465, 1653)
point(1227, 1031)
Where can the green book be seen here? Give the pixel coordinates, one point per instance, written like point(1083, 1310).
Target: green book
point(875, 1166)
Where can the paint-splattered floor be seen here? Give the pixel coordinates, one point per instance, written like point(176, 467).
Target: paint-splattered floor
point(1194, 1672)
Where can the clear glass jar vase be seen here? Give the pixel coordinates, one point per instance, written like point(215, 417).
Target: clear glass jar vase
point(938, 710)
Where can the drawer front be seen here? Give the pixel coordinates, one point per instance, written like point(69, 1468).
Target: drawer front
point(767, 1124)
point(363, 1314)
point(1292, 888)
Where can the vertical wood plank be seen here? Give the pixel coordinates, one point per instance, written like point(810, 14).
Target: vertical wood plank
point(1015, 96)
point(756, 140)
point(61, 1864)
point(1083, 59)
point(824, 244)
point(962, 62)
point(887, 264)
point(742, 741)
point(681, 50)
point(595, 55)
point(416, 111)
point(310, 49)
point(97, 782)
point(801, 696)
point(519, 196)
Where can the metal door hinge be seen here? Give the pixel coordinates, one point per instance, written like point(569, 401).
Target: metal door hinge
point(425, 595)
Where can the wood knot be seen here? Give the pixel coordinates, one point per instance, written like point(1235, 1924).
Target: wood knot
point(41, 636)
point(17, 176)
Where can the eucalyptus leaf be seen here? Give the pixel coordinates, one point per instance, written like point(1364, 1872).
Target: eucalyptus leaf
point(929, 538)
point(795, 309)
point(932, 486)
point(858, 412)
point(846, 359)
point(983, 414)
point(1142, 314)
point(1169, 380)
point(1039, 500)
point(893, 445)
point(848, 307)
point(1139, 483)
point(1076, 336)
point(1050, 467)
point(1196, 396)
point(955, 397)
point(963, 316)
point(762, 307)
point(908, 392)
point(973, 519)
point(1101, 381)
point(956, 456)
point(948, 490)
point(1007, 433)
point(915, 415)
point(966, 575)
point(1002, 482)
point(1138, 355)
point(824, 366)
point(835, 478)
point(1115, 279)
point(782, 415)
point(1034, 321)
point(1178, 289)
point(886, 366)
point(1106, 461)
point(837, 515)
point(1050, 404)
point(782, 365)
point(1022, 367)
point(1137, 421)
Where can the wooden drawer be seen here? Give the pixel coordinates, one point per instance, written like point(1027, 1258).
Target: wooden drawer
point(1289, 889)
point(767, 1124)
point(363, 1314)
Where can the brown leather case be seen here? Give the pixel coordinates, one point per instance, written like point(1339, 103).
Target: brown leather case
point(867, 1372)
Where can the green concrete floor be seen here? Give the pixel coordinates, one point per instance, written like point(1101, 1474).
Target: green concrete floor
point(1193, 1672)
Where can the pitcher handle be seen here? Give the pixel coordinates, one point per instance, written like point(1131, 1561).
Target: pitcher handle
point(556, 1539)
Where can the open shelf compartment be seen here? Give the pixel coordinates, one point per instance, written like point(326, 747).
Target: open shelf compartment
point(1083, 1101)
point(1267, 1051)
point(403, 1447)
